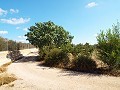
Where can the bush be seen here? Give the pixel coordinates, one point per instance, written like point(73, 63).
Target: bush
point(44, 51)
point(84, 63)
point(108, 47)
point(85, 49)
point(6, 78)
point(56, 58)
point(68, 48)
point(14, 55)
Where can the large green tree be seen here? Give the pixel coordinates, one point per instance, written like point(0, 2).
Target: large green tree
point(48, 34)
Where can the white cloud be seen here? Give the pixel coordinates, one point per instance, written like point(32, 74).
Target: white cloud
point(3, 32)
point(14, 11)
point(22, 37)
point(25, 29)
point(23, 41)
point(95, 35)
point(19, 36)
point(3, 12)
point(15, 21)
point(92, 4)
point(17, 27)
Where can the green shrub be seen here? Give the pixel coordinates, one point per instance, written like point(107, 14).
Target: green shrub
point(41, 54)
point(68, 48)
point(56, 58)
point(108, 47)
point(43, 51)
point(85, 49)
point(84, 63)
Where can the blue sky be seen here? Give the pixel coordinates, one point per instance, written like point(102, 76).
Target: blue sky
point(82, 18)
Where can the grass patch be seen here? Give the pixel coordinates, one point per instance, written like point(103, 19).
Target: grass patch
point(6, 78)
point(6, 64)
point(3, 68)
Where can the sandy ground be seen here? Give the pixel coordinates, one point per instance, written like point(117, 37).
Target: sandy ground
point(3, 58)
point(32, 76)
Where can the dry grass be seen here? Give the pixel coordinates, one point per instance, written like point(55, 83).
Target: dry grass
point(3, 68)
point(6, 78)
point(6, 64)
point(99, 63)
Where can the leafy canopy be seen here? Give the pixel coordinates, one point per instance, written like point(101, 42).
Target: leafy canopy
point(48, 34)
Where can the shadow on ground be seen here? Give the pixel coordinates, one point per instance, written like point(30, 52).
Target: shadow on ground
point(28, 59)
point(66, 72)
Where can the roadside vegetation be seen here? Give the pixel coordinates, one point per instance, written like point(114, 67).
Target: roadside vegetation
point(3, 68)
point(108, 47)
point(13, 48)
point(6, 78)
point(56, 49)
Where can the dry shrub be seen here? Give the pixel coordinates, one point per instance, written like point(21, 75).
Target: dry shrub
point(6, 78)
point(3, 68)
point(6, 64)
point(84, 63)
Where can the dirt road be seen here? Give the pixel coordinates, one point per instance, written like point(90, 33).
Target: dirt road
point(3, 58)
point(32, 76)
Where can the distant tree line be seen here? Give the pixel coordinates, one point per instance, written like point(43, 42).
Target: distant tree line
point(11, 45)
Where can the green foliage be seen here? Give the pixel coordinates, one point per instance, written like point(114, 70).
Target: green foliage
point(108, 47)
point(84, 63)
point(68, 48)
point(48, 34)
point(85, 50)
point(56, 57)
point(44, 51)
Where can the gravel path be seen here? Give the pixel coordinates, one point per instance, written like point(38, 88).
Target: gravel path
point(32, 76)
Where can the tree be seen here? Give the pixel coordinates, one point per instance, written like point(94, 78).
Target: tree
point(108, 47)
point(3, 44)
point(12, 45)
point(48, 34)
